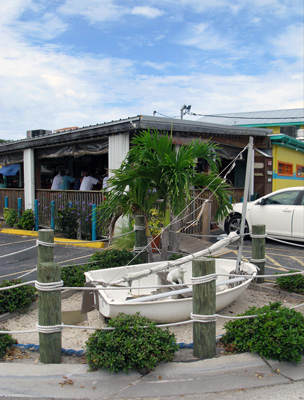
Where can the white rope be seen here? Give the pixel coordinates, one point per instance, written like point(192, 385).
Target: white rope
point(194, 318)
point(46, 244)
point(49, 328)
point(253, 236)
point(20, 251)
point(47, 287)
point(138, 248)
point(203, 318)
point(139, 228)
point(258, 260)
point(17, 285)
point(204, 279)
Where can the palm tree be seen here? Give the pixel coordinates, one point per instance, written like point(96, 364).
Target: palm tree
point(155, 169)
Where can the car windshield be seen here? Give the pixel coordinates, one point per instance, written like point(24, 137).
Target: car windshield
point(284, 198)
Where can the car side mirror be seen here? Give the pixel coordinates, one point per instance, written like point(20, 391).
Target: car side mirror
point(262, 202)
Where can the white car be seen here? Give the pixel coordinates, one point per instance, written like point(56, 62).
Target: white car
point(282, 212)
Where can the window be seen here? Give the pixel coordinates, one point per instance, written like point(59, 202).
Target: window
point(284, 168)
point(285, 198)
point(300, 171)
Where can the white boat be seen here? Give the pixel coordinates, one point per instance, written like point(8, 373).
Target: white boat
point(170, 305)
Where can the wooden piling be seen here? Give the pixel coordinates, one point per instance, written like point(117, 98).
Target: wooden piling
point(258, 249)
point(204, 297)
point(49, 302)
point(141, 237)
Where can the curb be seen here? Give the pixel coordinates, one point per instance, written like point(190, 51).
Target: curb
point(67, 242)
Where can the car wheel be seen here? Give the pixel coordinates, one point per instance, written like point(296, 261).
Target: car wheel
point(234, 224)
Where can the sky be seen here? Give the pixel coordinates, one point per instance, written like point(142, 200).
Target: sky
point(66, 63)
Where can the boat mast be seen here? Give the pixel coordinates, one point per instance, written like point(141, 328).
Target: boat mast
point(248, 178)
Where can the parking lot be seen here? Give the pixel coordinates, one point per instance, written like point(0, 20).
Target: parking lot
point(280, 257)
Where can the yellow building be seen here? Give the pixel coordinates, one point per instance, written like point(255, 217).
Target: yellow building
point(288, 162)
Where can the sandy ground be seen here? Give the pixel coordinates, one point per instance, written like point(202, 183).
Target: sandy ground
point(76, 338)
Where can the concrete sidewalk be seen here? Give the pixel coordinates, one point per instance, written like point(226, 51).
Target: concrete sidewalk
point(225, 377)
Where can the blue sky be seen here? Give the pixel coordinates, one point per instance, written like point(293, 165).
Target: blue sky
point(81, 62)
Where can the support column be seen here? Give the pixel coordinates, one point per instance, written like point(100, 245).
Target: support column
point(119, 146)
point(29, 178)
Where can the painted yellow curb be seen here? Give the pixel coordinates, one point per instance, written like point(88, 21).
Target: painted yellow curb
point(67, 242)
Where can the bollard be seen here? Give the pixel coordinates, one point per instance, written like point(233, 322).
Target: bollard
point(49, 302)
point(36, 215)
point(53, 214)
point(140, 237)
point(258, 249)
point(94, 222)
point(204, 298)
point(6, 201)
point(19, 207)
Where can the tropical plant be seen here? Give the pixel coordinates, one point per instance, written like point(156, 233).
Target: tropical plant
point(16, 299)
point(155, 169)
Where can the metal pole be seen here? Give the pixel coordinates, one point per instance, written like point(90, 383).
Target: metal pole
point(36, 215)
point(19, 207)
point(6, 202)
point(244, 207)
point(94, 215)
point(52, 214)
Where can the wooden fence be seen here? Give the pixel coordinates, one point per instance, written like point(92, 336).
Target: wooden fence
point(84, 200)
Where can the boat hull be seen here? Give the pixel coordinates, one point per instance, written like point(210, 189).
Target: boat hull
point(163, 310)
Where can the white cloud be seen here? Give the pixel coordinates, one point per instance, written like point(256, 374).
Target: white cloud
point(93, 10)
point(147, 11)
point(290, 42)
point(204, 37)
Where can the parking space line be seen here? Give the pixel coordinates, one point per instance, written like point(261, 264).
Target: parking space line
point(21, 241)
point(16, 273)
point(282, 269)
point(297, 260)
point(273, 261)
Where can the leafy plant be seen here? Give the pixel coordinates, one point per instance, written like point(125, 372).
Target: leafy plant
point(155, 221)
point(293, 283)
point(27, 220)
point(135, 343)
point(277, 333)
point(17, 298)
point(10, 216)
point(6, 342)
point(66, 221)
point(74, 276)
point(125, 242)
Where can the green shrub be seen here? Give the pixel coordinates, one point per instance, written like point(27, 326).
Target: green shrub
point(277, 333)
point(74, 276)
point(135, 343)
point(15, 299)
point(6, 342)
point(27, 220)
point(293, 283)
point(66, 221)
point(10, 217)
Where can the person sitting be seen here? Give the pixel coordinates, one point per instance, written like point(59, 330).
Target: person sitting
point(88, 182)
point(66, 181)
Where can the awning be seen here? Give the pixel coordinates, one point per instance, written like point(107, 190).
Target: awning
point(10, 170)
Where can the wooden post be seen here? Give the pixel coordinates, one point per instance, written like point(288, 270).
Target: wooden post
point(141, 237)
point(204, 334)
point(258, 249)
point(206, 220)
point(49, 302)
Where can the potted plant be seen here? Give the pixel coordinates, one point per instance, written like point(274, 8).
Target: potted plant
point(156, 224)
